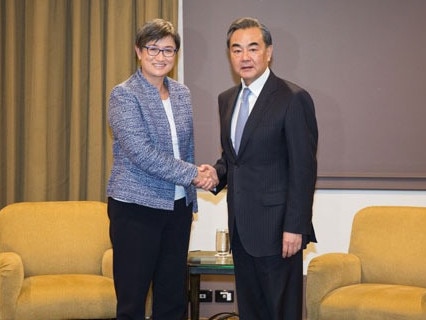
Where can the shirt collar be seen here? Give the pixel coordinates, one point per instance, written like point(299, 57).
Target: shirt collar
point(257, 85)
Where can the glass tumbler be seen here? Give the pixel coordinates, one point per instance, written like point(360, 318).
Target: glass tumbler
point(222, 242)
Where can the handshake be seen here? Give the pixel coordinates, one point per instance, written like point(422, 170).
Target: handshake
point(206, 178)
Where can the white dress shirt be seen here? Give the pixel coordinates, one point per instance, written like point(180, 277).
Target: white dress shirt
point(179, 190)
point(255, 88)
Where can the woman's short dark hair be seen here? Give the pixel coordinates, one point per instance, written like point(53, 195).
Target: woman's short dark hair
point(245, 23)
point(155, 30)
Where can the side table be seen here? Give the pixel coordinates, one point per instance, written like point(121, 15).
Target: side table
point(204, 262)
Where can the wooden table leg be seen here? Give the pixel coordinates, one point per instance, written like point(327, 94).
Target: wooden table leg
point(194, 295)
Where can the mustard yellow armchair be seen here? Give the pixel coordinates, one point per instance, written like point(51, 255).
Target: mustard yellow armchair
point(55, 261)
point(383, 275)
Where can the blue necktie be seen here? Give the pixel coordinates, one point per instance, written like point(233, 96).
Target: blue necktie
point(242, 118)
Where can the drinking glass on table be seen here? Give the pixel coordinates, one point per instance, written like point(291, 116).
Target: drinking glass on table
point(222, 242)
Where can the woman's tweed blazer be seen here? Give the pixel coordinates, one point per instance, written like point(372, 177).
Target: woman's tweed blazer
point(145, 170)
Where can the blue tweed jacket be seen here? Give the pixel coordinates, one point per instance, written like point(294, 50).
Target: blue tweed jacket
point(145, 170)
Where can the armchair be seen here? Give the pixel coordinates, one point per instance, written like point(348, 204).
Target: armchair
point(383, 275)
point(55, 261)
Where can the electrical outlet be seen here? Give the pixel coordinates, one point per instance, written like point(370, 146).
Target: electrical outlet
point(224, 296)
point(206, 295)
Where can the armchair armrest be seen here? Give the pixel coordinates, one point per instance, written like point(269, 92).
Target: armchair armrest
point(11, 279)
point(326, 273)
point(107, 264)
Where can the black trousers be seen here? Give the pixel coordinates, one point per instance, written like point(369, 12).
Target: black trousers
point(268, 287)
point(150, 245)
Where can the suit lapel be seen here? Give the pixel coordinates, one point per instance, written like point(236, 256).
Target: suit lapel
point(259, 110)
point(228, 119)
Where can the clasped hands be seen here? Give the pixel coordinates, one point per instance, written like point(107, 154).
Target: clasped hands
point(206, 178)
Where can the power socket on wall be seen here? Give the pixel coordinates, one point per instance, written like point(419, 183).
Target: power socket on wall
point(206, 295)
point(224, 296)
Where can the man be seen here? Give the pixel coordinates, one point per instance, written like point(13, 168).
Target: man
point(271, 178)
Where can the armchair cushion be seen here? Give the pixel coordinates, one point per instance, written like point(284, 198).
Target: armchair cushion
point(48, 297)
point(374, 301)
point(56, 237)
point(390, 242)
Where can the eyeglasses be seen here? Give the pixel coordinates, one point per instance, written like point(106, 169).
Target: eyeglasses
point(154, 51)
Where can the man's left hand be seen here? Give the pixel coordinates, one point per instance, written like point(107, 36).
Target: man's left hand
point(292, 243)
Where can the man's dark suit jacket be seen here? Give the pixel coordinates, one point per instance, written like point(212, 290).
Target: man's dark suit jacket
point(271, 181)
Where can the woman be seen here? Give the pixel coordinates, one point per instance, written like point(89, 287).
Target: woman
point(151, 190)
